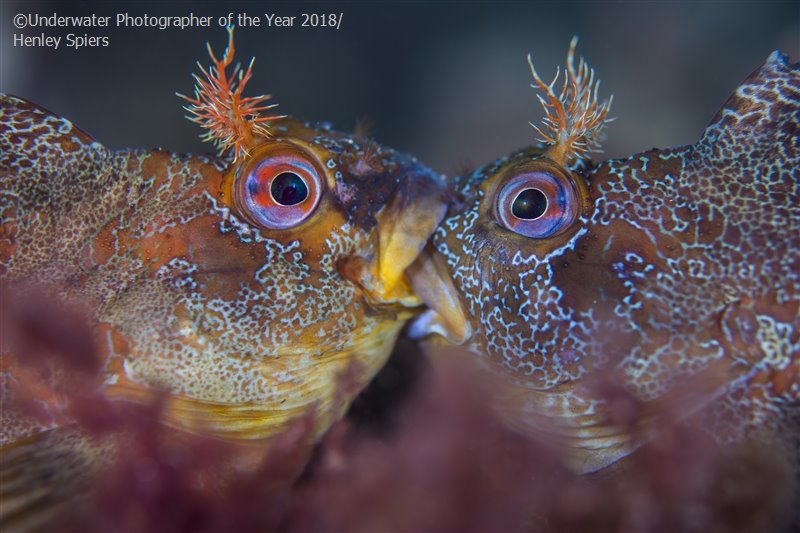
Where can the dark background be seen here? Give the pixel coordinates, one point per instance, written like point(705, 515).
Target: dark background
point(447, 81)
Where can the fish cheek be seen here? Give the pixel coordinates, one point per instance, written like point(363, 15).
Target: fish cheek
point(588, 283)
point(603, 277)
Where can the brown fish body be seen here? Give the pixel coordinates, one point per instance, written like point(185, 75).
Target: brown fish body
point(245, 292)
point(671, 280)
point(185, 295)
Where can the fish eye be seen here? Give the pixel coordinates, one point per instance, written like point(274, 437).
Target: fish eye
point(288, 189)
point(537, 204)
point(280, 190)
point(529, 204)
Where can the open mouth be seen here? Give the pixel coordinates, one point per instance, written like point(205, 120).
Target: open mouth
point(398, 241)
point(433, 285)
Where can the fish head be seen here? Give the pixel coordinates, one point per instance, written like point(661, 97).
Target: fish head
point(285, 272)
point(252, 288)
point(668, 276)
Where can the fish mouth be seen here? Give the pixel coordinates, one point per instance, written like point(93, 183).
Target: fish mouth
point(445, 315)
point(404, 227)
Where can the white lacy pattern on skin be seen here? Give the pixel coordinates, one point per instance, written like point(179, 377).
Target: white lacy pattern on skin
point(185, 293)
point(688, 256)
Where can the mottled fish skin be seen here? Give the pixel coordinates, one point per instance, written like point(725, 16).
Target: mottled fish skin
point(247, 328)
point(681, 271)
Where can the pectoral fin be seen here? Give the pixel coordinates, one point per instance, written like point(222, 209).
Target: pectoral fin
point(43, 475)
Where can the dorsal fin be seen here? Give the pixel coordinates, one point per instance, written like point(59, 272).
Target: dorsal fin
point(764, 109)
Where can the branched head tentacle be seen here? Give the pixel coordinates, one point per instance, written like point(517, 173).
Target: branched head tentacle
point(574, 118)
point(232, 122)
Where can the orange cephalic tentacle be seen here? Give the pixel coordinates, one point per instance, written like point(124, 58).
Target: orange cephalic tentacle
point(233, 122)
point(574, 119)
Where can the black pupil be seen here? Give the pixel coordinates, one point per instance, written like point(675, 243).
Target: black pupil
point(530, 204)
point(289, 189)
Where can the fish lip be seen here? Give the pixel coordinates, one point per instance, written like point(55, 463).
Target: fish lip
point(404, 227)
point(433, 284)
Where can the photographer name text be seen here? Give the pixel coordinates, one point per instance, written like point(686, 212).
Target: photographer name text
point(41, 29)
